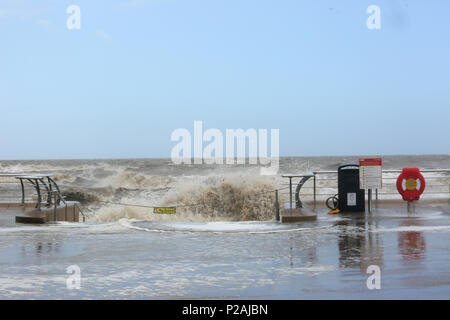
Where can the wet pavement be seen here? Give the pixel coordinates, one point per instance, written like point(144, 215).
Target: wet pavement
point(324, 259)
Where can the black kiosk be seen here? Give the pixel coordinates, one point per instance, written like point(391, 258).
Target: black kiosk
point(351, 197)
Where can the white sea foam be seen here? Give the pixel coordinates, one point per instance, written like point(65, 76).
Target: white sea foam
point(24, 229)
point(414, 229)
point(252, 227)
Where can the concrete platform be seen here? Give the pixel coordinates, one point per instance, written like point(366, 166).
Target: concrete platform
point(320, 206)
point(10, 212)
point(297, 215)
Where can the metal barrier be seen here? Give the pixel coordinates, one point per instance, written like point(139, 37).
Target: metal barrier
point(38, 180)
point(312, 186)
point(319, 185)
point(32, 192)
point(12, 191)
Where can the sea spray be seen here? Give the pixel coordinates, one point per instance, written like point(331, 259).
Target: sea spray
point(82, 196)
point(208, 198)
point(236, 198)
point(131, 180)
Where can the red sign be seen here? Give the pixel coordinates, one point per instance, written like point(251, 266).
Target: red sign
point(370, 173)
point(370, 162)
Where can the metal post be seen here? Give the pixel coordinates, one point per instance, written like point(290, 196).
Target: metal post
point(65, 212)
point(369, 200)
point(23, 192)
point(277, 207)
point(290, 192)
point(314, 190)
point(55, 217)
point(376, 195)
point(49, 192)
point(409, 206)
point(38, 204)
point(51, 181)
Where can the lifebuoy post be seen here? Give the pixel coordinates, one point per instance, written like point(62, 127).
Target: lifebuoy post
point(410, 185)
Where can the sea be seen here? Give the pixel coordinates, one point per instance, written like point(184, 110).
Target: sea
point(224, 241)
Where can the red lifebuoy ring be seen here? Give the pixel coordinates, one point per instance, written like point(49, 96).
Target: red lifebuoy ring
point(410, 192)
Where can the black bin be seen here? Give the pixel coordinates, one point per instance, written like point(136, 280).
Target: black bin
point(351, 197)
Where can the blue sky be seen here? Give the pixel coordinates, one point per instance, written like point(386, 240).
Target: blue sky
point(137, 70)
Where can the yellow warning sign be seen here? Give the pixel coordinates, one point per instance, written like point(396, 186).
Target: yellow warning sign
point(165, 210)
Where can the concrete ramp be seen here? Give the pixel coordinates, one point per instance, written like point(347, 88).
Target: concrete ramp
point(69, 212)
point(27, 213)
point(297, 215)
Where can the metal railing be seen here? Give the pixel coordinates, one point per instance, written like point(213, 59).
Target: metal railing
point(33, 191)
point(11, 190)
point(312, 186)
point(323, 184)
